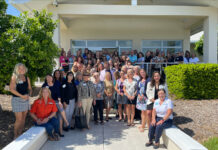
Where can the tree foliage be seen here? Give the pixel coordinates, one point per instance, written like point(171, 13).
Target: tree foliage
point(199, 45)
point(28, 40)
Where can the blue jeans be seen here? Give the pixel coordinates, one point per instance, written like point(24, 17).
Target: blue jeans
point(53, 123)
point(155, 131)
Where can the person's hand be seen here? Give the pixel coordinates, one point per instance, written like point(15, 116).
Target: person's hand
point(132, 97)
point(99, 95)
point(129, 97)
point(25, 97)
point(152, 99)
point(45, 120)
point(121, 94)
point(153, 122)
point(39, 122)
point(79, 104)
point(94, 102)
point(160, 122)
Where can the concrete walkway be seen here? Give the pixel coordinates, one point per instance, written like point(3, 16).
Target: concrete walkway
point(113, 135)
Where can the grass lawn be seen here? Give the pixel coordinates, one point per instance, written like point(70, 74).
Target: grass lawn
point(211, 143)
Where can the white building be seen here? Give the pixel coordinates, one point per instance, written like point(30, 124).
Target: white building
point(131, 24)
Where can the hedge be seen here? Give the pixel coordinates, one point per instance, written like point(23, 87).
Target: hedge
point(193, 81)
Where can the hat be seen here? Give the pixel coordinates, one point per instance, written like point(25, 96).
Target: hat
point(86, 73)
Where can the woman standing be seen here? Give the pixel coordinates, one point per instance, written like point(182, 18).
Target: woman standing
point(79, 63)
point(108, 91)
point(69, 96)
point(162, 118)
point(20, 87)
point(46, 118)
point(86, 95)
point(64, 61)
point(98, 102)
point(142, 98)
point(130, 90)
point(56, 96)
point(153, 86)
point(121, 98)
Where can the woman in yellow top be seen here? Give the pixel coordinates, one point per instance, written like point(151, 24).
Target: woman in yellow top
point(109, 91)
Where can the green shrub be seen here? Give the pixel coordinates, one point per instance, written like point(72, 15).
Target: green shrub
point(211, 144)
point(28, 41)
point(193, 81)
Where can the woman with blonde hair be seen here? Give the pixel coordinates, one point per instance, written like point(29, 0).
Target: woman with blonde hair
point(43, 112)
point(109, 91)
point(130, 90)
point(20, 87)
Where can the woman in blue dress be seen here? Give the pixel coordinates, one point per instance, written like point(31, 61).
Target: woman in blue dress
point(142, 98)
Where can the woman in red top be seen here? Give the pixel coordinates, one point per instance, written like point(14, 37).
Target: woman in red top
point(43, 111)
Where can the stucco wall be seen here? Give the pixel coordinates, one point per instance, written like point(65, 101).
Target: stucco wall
point(125, 28)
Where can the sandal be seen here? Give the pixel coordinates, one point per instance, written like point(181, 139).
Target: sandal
point(132, 124)
point(128, 124)
point(141, 129)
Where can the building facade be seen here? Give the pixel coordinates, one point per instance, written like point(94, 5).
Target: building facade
point(131, 24)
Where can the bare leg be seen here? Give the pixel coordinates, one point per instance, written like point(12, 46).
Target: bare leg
point(22, 122)
point(125, 112)
point(132, 114)
point(61, 125)
point(120, 111)
point(63, 115)
point(17, 124)
point(128, 113)
point(149, 115)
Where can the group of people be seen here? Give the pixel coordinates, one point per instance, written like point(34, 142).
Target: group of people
point(91, 59)
point(110, 82)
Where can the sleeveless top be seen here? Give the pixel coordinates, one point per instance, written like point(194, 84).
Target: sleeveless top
point(120, 86)
point(22, 87)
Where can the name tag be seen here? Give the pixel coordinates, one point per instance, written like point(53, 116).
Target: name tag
point(84, 84)
point(20, 82)
point(50, 103)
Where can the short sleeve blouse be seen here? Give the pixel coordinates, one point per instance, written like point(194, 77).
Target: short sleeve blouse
point(131, 87)
point(161, 110)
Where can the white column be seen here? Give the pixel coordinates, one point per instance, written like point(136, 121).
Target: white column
point(186, 41)
point(210, 39)
point(134, 2)
point(56, 38)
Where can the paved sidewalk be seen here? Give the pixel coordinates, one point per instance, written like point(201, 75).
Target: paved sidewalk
point(113, 135)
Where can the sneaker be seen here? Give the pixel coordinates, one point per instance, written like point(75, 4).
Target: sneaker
point(156, 146)
point(148, 144)
point(96, 122)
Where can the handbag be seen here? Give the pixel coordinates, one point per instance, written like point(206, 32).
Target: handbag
point(80, 118)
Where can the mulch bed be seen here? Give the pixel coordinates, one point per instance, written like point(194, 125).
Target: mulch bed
point(197, 118)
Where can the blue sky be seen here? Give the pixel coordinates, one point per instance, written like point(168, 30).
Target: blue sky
point(11, 10)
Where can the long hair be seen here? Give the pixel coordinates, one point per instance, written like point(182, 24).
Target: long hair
point(41, 90)
point(70, 73)
point(60, 78)
point(46, 79)
point(153, 81)
point(146, 75)
point(16, 71)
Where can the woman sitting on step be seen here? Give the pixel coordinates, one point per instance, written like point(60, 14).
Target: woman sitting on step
point(43, 112)
point(162, 118)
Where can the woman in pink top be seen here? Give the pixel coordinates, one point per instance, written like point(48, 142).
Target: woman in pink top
point(64, 61)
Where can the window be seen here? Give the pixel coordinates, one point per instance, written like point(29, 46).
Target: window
point(96, 45)
point(171, 46)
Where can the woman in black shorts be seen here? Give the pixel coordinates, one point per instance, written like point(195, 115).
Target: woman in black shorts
point(130, 90)
point(153, 86)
